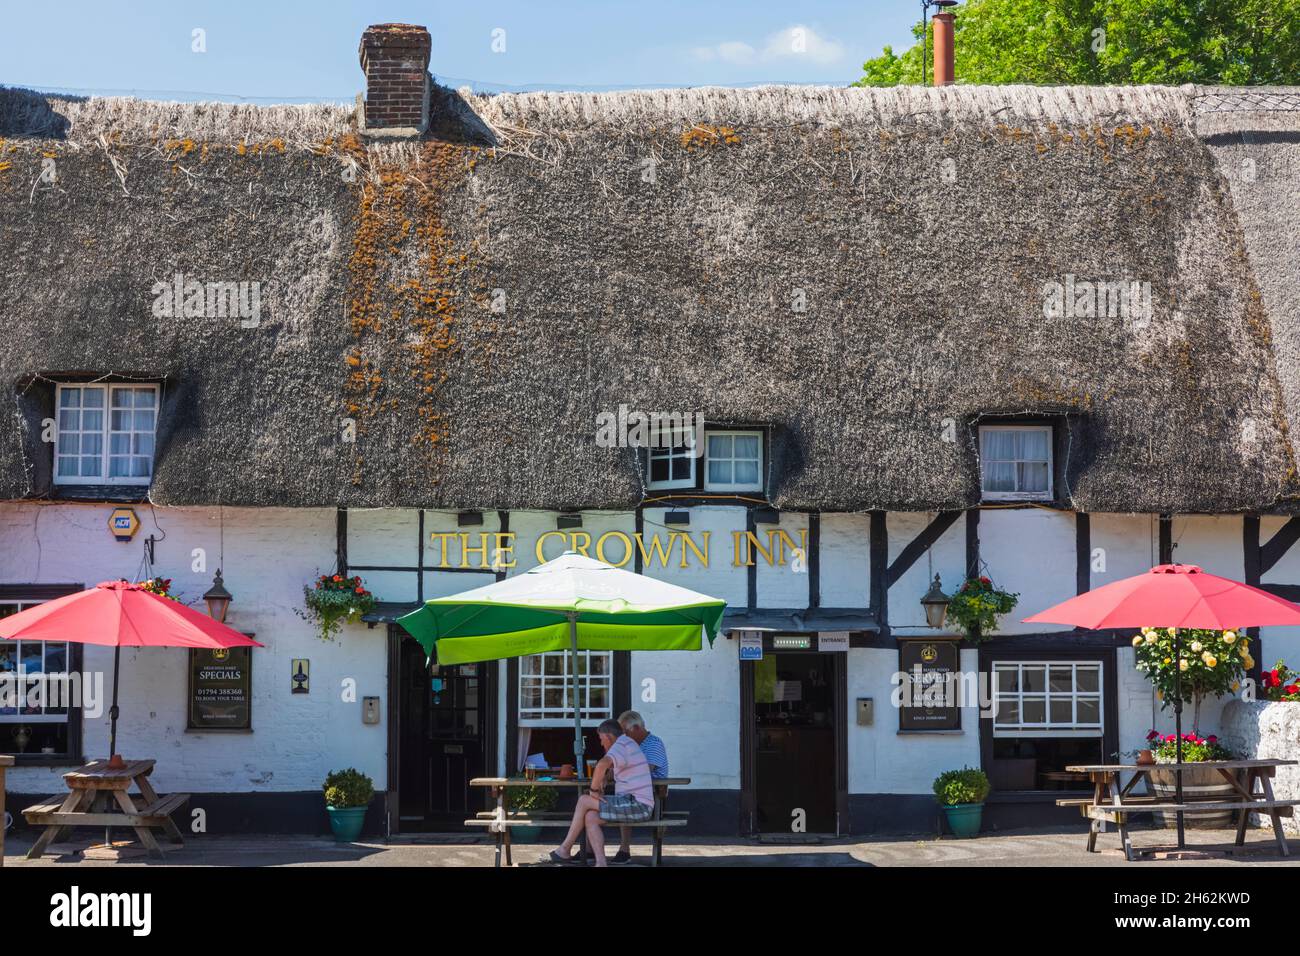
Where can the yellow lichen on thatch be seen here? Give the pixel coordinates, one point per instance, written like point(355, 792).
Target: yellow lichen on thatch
point(701, 137)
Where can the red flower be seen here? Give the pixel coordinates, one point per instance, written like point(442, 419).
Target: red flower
point(1291, 688)
point(985, 581)
point(1211, 739)
point(1152, 736)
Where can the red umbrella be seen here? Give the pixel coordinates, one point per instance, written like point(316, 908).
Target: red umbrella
point(118, 614)
point(1177, 596)
point(1173, 595)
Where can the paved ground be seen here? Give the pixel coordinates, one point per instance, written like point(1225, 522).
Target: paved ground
point(1012, 848)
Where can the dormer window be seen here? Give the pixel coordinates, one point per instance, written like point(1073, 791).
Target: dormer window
point(105, 434)
point(1016, 462)
point(733, 462)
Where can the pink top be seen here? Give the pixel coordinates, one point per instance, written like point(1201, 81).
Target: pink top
point(631, 771)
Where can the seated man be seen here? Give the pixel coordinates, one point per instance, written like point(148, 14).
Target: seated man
point(656, 755)
point(632, 801)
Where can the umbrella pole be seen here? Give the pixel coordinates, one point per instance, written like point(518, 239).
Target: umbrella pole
point(577, 712)
point(1178, 735)
point(112, 711)
point(112, 728)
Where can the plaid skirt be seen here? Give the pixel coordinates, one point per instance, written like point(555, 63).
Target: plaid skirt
point(624, 808)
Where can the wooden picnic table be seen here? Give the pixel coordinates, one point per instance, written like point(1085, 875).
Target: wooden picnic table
point(1112, 800)
point(500, 820)
point(93, 789)
point(5, 761)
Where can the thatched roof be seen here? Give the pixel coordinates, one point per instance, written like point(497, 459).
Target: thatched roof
point(472, 301)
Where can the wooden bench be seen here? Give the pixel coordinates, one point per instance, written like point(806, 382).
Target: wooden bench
point(96, 787)
point(1112, 803)
point(501, 828)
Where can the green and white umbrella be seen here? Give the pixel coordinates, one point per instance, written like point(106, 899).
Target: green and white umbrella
point(572, 603)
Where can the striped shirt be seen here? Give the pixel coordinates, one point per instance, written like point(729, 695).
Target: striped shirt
point(656, 755)
point(631, 772)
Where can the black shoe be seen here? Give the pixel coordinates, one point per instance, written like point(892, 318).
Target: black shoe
point(620, 858)
point(558, 860)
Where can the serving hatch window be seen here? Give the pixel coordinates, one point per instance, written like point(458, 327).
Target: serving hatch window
point(37, 724)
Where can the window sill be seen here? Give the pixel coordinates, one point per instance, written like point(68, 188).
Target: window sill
point(45, 760)
point(117, 494)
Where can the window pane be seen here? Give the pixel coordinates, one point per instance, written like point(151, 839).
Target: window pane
point(90, 467)
point(719, 446)
point(121, 421)
point(69, 397)
point(92, 443)
point(682, 468)
point(67, 467)
point(119, 443)
point(553, 663)
point(142, 444)
point(1062, 710)
point(1008, 712)
point(746, 472)
point(999, 476)
point(1089, 710)
point(139, 467)
point(92, 397)
point(1008, 679)
point(1034, 710)
point(747, 446)
point(1061, 680)
point(122, 398)
point(144, 421)
point(92, 420)
point(68, 420)
point(1033, 476)
point(119, 466)
point(658, 468)
point(144, 397)
point(1034, 679)
point(1033, 445)
point(1089, 679)
point(720, 472)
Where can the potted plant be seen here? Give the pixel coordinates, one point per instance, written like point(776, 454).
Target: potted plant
point(347, 795)
point(1201, 784)
point(333, 600)
point(527, 800)
point(1210, 664)
point(1281, 683)
point(962, 793)
point(977, 605)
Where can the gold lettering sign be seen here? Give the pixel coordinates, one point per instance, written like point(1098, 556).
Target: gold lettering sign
point(494, 551)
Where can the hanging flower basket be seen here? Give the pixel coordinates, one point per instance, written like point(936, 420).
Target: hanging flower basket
point(976, 607)
point(159, 586)
point(333, 601)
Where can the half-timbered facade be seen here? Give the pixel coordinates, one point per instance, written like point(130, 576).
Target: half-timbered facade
point(1044, 335)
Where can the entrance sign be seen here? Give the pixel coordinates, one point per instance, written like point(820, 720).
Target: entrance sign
point(837, 641)
point(221, 689)
point(938, 664)
point(751, 646)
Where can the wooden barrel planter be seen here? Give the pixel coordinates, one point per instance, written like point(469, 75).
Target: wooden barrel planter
point(1201, 784)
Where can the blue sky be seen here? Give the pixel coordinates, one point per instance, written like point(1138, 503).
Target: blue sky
point(276, 51)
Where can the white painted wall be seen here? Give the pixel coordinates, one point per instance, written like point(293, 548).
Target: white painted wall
point(881, 760)
point(269, 555)
point(272, 553)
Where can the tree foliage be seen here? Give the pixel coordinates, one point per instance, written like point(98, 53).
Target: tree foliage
point(1100, 42)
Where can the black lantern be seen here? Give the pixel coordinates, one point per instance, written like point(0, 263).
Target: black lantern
point(218, 599)
point(935, 603)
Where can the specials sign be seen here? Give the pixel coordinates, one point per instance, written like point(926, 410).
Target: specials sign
point(221, 689)
point(930, 668)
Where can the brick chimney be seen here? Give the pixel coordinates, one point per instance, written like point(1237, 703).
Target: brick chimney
point(395, 59)
point(943, 29)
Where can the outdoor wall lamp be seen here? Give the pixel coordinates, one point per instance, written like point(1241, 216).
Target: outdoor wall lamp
point(935, 603)
point(218, 599)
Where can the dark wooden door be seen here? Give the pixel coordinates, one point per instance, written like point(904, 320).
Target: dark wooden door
point(442, 748)
point(795, 739)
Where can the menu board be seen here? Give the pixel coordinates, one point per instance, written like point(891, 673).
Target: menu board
point(221, 689)
point(936, 660)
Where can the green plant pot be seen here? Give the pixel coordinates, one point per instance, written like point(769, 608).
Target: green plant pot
point(346, 822)
point(964, 818)
point(525, 834)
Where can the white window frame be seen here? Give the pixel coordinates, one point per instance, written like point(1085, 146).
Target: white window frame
point(734, 433)
point(687, 451)
point(18, 719)
point(106, 434)
point(543, 716)
point(1047, 728)
point(1016, 495)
